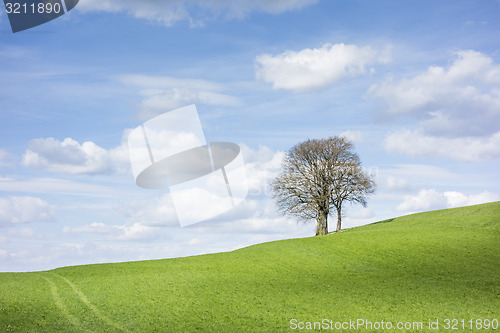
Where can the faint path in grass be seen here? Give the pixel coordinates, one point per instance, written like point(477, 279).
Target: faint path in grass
point(85, 300)
point(72, 319)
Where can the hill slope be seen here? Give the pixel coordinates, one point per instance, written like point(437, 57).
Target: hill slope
point(430, 266)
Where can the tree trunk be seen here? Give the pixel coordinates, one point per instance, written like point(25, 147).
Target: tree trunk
point(339, 219)
point(322, 219)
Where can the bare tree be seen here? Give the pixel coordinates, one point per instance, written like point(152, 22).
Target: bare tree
point(318, 176)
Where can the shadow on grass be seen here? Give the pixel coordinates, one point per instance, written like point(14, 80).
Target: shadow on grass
point(384, 221)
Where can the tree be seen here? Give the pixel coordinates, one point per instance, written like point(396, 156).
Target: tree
point(319, 176)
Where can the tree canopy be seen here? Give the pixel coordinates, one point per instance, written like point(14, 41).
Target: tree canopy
point(318, 176)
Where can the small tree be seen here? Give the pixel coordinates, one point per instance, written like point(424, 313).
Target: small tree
point(320, 175)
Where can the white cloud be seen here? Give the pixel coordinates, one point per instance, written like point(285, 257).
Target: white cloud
point(396, 183)
point(462, 100)
point(58, 186)
point(421, 172)
point(173, 11)
point(69, 156)
point(430, 199)
point(261, 166)
point(425, 200)
point(135, 231)
point(159, 211)
point(458, 109)
point(469, 149)
point(315, 69)
point(156, 102)
point(25, 209)
point(138, 231)
point(27, 233)
point(94, 228)
point(163, 93)
point(266, 225)
point(355, 137)
point(353, 217)
point(477, 199)
point(362, 213)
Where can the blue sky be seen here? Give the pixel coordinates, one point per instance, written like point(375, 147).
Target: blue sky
point(414, 84)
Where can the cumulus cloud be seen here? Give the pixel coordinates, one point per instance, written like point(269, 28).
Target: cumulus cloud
point(173, 11)
point(458, 109)
point(69, 156)
point(66, 156)
point(14, 210)
point(430, 199)
point(163, 93)
point(355, 137)
point(468, 149)
point(472, 82)
point(316, 69)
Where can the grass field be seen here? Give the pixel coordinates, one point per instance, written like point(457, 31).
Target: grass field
point(436, 265)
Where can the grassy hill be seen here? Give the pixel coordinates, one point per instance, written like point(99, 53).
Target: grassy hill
point(430, 266)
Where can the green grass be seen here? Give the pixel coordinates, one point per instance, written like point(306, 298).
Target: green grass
point(429, 266)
